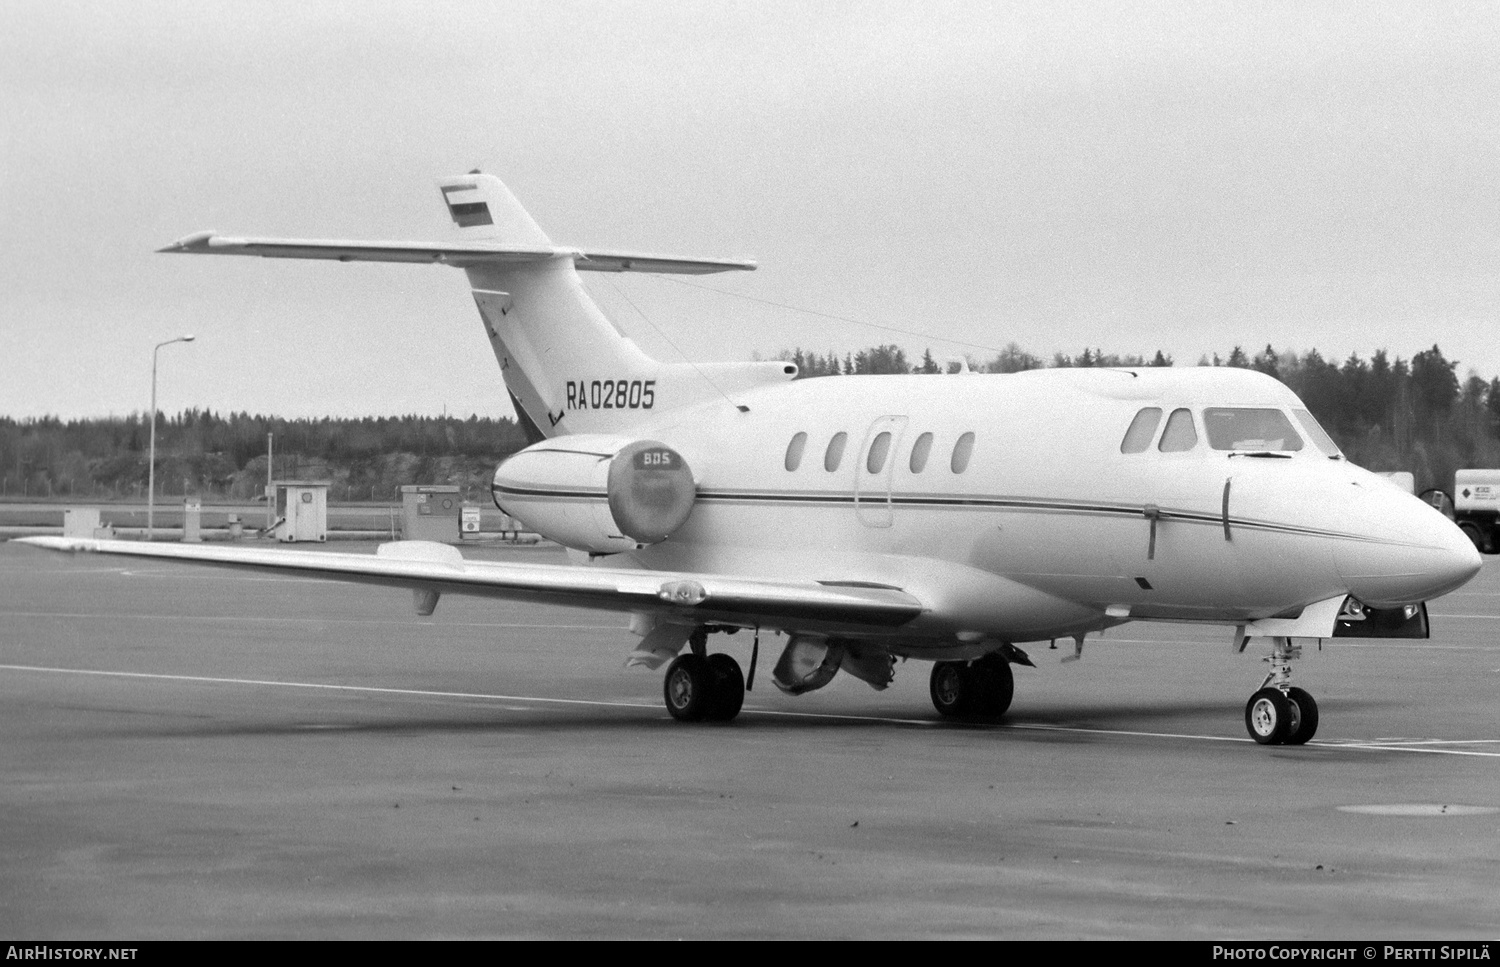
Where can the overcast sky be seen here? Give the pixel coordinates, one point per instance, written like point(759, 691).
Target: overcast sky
point(1184, 177)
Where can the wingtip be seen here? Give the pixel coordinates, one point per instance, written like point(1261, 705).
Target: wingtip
point(59, 543)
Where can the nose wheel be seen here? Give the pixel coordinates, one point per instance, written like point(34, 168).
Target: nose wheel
point(1307, 716)
point(1280, 713)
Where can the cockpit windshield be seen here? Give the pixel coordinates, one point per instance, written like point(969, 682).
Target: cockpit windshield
point(1320, 437)
point(1250, 428)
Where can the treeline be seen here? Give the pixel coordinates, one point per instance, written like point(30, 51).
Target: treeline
point(202, 453)
point(1386, 413)
point(893, 359)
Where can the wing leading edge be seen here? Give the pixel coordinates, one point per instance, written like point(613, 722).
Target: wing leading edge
point(426, 567)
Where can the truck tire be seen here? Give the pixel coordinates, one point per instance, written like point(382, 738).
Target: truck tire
point(1475, 534)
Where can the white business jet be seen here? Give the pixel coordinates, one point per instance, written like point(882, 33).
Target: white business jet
point(871, 518)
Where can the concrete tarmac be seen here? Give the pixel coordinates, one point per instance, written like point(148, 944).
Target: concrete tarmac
point(201, 754)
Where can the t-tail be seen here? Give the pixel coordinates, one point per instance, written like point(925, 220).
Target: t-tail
point(566, 367)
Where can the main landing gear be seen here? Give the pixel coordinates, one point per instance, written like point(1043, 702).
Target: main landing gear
point(1280, 713)
point(702, 687)
point(975, 690)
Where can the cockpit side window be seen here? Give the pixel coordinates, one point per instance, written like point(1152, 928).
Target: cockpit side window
point(1320, 437)
point(1142, 430)
point(1180, 433)
point(1249, 428)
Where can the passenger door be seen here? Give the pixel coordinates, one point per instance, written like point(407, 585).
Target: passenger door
point(874, 468)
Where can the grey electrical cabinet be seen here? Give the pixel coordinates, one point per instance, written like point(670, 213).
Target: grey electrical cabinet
point(301, 510)
point(431, 512)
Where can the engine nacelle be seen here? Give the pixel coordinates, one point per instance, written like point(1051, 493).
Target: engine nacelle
point(597, 493)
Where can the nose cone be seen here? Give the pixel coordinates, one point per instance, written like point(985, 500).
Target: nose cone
point(1399, 550)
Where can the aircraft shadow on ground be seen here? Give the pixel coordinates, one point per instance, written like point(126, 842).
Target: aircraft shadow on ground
point(541, 719)
point(1142, 712)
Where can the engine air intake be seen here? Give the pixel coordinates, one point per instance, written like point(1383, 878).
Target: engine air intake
point(601, 494)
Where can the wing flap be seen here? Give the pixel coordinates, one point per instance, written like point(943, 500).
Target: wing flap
point(453, 253)
point(417, 564)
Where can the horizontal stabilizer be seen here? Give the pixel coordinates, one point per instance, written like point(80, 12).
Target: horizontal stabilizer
point(422, 565)
point(635, 262)
point(458, 254)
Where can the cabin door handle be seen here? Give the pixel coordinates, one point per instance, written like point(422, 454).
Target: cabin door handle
point(1153, 514)
point(1224, 512)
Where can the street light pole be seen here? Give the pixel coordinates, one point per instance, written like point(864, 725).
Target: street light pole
point(151, 460)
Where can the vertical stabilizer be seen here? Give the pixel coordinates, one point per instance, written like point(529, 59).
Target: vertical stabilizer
point(547, 334)
point(566, 366)
point(483, 208)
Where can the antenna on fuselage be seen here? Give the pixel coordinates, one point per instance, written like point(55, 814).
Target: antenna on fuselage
point(706, 378)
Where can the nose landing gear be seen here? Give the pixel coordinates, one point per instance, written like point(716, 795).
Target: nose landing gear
point(1281, 713)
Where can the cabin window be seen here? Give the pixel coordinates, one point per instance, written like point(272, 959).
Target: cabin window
point(1249, 428)
point(1320, 437)
point(962, 450)
point(835, 454)
point(1180, 434)
point(794, 451)
point(1142, 430)
point(875, 460)
point(920, 451)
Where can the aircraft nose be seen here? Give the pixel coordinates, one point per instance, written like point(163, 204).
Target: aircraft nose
point(1402, 551)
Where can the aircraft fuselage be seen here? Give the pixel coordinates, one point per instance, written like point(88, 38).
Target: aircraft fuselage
point(1006, 504)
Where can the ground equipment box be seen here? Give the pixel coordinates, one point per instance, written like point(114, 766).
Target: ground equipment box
point(301, 510)
point(431, 512)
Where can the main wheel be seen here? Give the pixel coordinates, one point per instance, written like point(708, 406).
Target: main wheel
point(997, 686)
point(1307, 716)
point(954, 689)
point(688, 688)
point(728, 689)
point(1269, 716)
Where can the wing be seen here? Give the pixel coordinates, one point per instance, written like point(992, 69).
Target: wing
point(427, 567)
point(453, 253)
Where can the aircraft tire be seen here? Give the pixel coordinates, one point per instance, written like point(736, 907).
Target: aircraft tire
point(728, 692)
point(688, 688)
point(997, 686)
point(1307, 716)
point(954, 688)
point(1269, 716)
